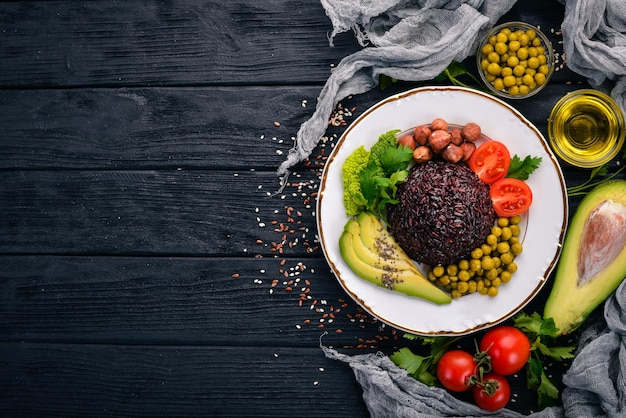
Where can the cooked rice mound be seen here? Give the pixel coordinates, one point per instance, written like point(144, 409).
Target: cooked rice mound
point(444, 212)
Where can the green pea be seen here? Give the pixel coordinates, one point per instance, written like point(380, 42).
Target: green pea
point(476, 254)
point(452, 270)
point(487, 263)
point(503, 247)
point(438, 271)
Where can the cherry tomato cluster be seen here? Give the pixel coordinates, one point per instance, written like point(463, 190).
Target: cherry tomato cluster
point(504, 351)
point(491, 162)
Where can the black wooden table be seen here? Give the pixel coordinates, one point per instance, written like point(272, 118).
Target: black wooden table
point(146, 266)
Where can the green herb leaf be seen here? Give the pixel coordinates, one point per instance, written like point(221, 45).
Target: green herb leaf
point(529, 323)
point(601, 171)
point(555, 352)
point(538, 380)
point(369, 183)
point(394, 158)
point(533, 377)
point(522, 168)
point(384, 81)
point(547, 388)
point(542, 334)
point(456, 69)
point(548, 328)
point(415, 365)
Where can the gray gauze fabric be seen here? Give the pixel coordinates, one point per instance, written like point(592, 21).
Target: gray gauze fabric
point(594, 41)
point(595, 383)
point(411, 41)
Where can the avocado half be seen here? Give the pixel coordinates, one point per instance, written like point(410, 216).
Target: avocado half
point(593, 260)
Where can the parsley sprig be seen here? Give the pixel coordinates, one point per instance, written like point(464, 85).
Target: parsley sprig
point(544, 346)
point(521, 169)
point(387, 169)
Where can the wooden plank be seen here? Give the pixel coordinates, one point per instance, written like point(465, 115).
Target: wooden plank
point(187, 42)
point(217, 128)
point(145, 128)
point(56, 380)
point(177, 212)
point(191, 301)
point(149, 212)
point(212, 42)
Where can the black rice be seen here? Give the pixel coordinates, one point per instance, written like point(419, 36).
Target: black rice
point(444, 212)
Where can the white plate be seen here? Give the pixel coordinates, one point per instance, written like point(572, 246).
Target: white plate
point(545, 222)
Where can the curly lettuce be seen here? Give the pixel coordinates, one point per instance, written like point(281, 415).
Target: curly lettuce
point(353, 198)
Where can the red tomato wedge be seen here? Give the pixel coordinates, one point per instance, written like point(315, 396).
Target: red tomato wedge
point(490, 161)
point(510, 197)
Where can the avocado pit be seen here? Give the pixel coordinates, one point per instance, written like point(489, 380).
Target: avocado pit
point(603, 238)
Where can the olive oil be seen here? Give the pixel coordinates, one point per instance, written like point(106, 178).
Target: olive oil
point(586, 128)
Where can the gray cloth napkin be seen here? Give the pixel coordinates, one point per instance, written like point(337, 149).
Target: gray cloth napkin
point(412, 40)
point(416, 40)
point(594, 41)
point(596, 381)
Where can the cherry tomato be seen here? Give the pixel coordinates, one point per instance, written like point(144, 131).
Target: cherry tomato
point(493, 394)
point(454, 368)
point(510, 197)
point(490, 161)
point(508, 347)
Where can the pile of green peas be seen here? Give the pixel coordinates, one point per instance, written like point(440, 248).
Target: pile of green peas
point(515, 61)
point(487, 267)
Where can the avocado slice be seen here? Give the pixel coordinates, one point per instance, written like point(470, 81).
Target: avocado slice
point(376, 237)
point(392, 274)
point(372, 255)
point(593, 260)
